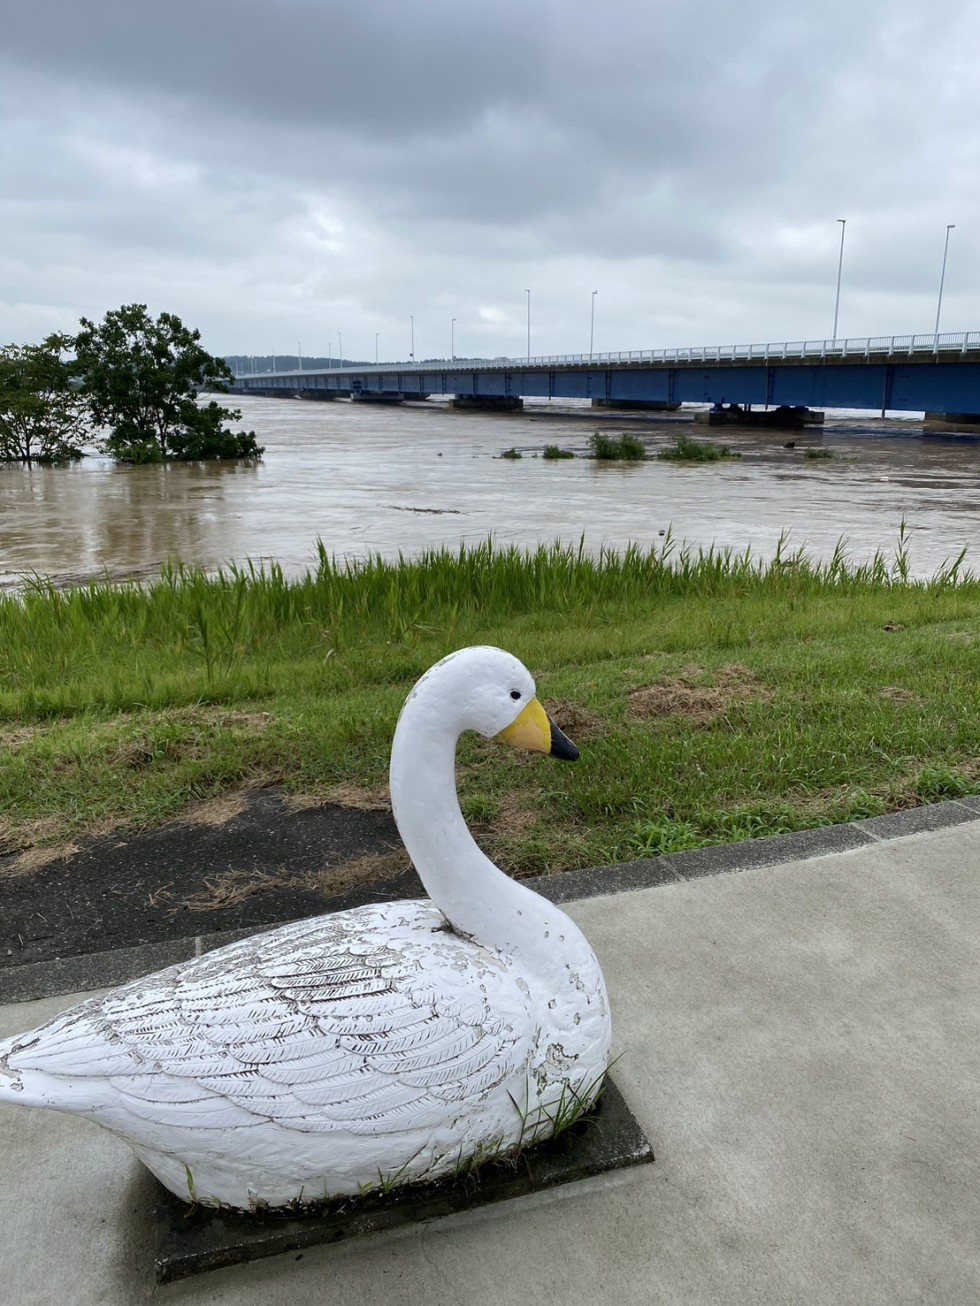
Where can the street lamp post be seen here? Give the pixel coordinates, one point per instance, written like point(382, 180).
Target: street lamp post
point(528, 293)
point(840, 268)
point(340, 349)
point(411, 319)
point(299, 355)
point(942, 279)
point(376, 334)
point(592, 325)
point(452, 339)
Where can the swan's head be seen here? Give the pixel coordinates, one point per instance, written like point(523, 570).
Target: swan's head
point(490, 691)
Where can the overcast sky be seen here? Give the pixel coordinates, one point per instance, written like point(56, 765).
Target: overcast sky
point(276, 173)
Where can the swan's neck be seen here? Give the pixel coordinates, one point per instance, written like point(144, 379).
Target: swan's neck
point(477, 898)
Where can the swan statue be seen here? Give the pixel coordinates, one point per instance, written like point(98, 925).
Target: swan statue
point(391, 1044)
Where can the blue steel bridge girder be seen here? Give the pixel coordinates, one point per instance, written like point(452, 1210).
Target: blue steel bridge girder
point(947, 382)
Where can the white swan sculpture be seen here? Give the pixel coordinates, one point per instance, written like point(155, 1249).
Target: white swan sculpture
point(385, 1045)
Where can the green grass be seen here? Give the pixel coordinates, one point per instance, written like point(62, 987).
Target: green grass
point(552, 452)
point(512, 453)
point(814, 454)
point(715, 696)
point(686, 450)
point(616, 448)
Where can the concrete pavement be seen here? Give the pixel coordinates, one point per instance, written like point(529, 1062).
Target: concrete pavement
point(800, 1041)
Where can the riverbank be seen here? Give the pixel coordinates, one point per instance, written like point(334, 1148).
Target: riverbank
point(715, 698)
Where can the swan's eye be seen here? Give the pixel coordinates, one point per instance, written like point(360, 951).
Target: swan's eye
point(515, 694)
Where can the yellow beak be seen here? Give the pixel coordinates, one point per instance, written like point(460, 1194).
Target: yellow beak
point(534, 729)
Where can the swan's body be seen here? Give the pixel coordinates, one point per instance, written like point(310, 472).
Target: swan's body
point(388, 1044)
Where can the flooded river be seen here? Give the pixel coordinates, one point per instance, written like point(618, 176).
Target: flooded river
point(370, 479)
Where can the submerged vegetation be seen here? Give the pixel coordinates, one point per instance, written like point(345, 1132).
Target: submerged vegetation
point(686, 450)
point(554, 451)
point(715, 696)
point(130, 384)
point(609, 448)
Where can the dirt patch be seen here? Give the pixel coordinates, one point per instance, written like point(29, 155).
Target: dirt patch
point(32, 859)
point(697, 703)
point(359, 798)
point(22, 735)
point(736, 676)
point(14, 838)
point(514, 817)
point(699, 706)
point(578, 722)
point(250, 722)
point(233, 888)
point(896, 694)
point(216, 811)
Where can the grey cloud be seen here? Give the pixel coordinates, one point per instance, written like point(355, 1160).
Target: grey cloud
point(311, 166)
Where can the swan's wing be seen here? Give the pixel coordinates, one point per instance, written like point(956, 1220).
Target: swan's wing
point(354, 1021)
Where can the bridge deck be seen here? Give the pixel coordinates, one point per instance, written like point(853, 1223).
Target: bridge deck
point(917, 372)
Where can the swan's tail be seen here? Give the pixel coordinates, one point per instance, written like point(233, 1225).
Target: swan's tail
point(11, 1081)
point(21, 1085)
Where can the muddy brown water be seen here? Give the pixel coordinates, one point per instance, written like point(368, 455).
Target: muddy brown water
point(369, 480)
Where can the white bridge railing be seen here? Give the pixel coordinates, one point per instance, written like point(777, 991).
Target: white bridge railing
point(947, 345)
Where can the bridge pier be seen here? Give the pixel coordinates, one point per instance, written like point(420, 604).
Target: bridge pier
point(645, 405)
point(376, 397)
point(489, 403)
point(782, 418)
point(953, 421)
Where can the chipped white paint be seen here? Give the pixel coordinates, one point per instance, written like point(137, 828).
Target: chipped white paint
point(383, 1045)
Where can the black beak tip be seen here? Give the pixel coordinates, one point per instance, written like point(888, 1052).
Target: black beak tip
point(561, 746)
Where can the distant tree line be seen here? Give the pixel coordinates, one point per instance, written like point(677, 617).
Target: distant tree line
point(247, 364)
point(132, 379)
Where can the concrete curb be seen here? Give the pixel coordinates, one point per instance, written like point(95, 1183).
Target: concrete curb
point(98, 970)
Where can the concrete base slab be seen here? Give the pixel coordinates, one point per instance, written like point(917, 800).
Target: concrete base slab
point(193, 1239)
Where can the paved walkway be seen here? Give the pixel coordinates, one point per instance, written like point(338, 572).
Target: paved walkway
point(801, 1042)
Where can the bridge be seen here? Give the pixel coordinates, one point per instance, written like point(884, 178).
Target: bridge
point(936, 373)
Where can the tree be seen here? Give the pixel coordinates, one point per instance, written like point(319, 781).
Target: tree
point(141, 378)
point(41, 410)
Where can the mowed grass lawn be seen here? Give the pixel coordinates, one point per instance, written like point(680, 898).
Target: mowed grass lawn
point(714, 698)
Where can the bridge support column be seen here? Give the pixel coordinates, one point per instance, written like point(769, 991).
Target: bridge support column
point(644, 405)
point(376, 397)
point(953, 421)
point(489, 403)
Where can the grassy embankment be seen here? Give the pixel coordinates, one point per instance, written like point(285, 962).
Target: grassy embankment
point(714, 697)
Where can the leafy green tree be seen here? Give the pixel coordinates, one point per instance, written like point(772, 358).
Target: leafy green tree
point(141, 379)
point(41, 411)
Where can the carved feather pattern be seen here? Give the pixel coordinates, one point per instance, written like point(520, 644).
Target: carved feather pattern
point(331, 1023)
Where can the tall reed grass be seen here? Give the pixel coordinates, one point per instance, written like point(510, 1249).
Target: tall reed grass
point(122, 703)
point(190, 632)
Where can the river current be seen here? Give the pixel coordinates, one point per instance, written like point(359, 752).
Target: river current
point(369, 479)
